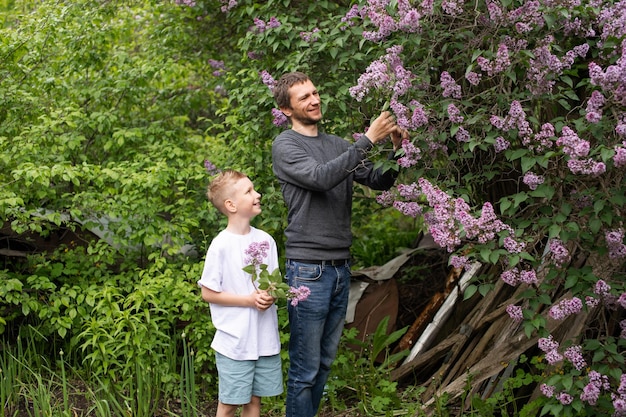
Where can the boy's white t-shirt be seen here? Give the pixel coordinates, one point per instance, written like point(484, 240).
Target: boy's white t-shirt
point(242, 333)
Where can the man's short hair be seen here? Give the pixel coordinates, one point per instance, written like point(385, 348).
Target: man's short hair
point(284, 83)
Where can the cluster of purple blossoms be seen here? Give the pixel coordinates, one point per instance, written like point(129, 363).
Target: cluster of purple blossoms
point(586, 167)
point(533, 180)
point(597, 383)
point(564, 398)
point(227, 5)
point(408, 208)
point(619, 399)
point(526, 17)
point(412, 154)
point(219, 67)
point(459, 262)
point(602, 289)
point(551, 348)
point(547, 390)
point(613, 79)
point(261, 26)
point(514, 276)
point(512, 245)
point(473, 77)
point(501, 144)
point(515, 119)
point(280, 120)
point(594, 107)
point(462, 135)
point(256, 253)
point(577, 148)
point(488, 224)
point(614, 241)
point(449, 86)
point(575, 356)
point(386, 73)
point(566, 308)
point(455, 114)
point(559, 253)
point(267, 79)
point(542, 140)
point(310, 37)
point(375, 12)
point(296, 295)
point(452, 7)
point(210, 167)
point(407, 119)
point(515, 312)
point(500, 64)
point(619, 159)
point(611, 20)
point(545, 65)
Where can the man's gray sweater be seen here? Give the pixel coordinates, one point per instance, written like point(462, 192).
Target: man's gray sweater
point(316, 176)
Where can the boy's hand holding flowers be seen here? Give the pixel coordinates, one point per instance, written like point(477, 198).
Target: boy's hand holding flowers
point(270, 283)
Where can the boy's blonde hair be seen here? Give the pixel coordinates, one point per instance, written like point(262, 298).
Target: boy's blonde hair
point(220, 187)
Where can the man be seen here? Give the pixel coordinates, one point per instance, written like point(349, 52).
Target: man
point(316, 172)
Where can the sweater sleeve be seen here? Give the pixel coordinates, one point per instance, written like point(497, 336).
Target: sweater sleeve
point(295, 164)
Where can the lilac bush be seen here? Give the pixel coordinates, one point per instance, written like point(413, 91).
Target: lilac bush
point(517, 114)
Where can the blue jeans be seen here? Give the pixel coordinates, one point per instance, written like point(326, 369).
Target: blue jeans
point(315, 326)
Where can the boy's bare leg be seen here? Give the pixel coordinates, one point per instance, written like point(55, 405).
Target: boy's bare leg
point(253, 408)
point(226, 410)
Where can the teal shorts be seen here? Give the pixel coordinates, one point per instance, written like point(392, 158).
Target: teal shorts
point(240, 380)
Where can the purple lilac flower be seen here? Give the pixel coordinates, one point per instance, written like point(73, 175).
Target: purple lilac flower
point(386, 73)
point(412, 154)
point(622, 300)
point(547, 390)
point(590, 394)
point(473, 78)
point(573, 146)
point(601, 288)
point(228, 5)
point(566, 308)
point(594, 107)
point(273, 22)
point(528, 276)
point(619, 159)
point(565, 398)
point(409, 191)
point(256, 253)
point(299, 294)
point(452, 7)
point(462, 135)
point(533, 180)
point(515, 312)
point(591, 301)
point(267, 79)
point(548, 344)
point(560, 254)
point(408, 208)
point(385, 198)
point(310, 37)
point(460, 262)
point(575, 356)
point(454, 114)
point(553, 357)
point(586, 167)
point(210, 167)
point(449, 86)
point(501, 144)
point(280, 119)
point(512, 245)
point(510, 276)
point(614, 239)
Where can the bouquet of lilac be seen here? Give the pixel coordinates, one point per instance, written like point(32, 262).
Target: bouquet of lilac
point(271, 282)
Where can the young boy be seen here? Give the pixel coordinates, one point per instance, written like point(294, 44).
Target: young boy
point(246, 342)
